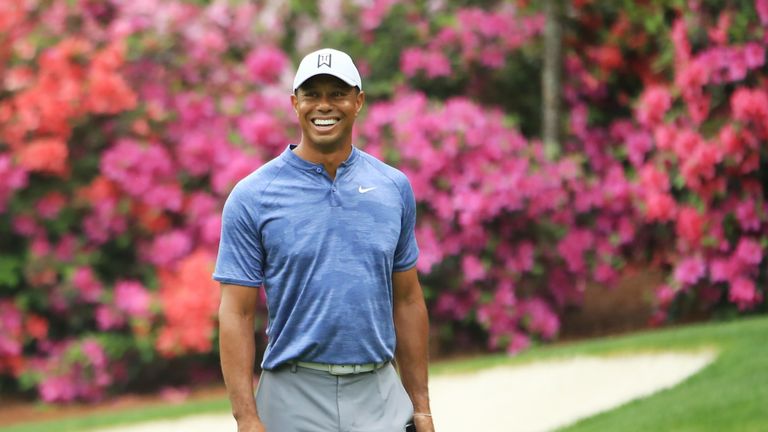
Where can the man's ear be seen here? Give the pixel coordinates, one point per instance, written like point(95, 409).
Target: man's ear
point(295, 103)
point(360, 101)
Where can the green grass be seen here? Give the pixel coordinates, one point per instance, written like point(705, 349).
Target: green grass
point(731, 394)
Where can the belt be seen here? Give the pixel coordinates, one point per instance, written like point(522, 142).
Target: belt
point(335, 369)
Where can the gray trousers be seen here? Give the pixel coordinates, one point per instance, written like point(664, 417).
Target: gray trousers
point(295, 399)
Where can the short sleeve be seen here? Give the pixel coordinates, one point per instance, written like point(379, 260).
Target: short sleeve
point(241, 254)
point(407, 251)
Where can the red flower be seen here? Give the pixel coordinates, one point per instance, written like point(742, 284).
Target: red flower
point(37, 327)
point(46, 155)
point(659, 207)
point(189, 299)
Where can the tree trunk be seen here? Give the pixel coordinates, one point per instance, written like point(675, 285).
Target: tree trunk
point(551, 77)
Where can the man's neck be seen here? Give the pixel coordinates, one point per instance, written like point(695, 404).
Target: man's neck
point(330, 159)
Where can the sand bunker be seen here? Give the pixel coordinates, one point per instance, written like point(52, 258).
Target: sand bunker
point(532, 397)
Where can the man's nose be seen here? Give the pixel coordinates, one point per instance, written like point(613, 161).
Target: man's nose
point(324, 103)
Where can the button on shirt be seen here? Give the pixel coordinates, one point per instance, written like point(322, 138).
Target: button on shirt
point(324, 249)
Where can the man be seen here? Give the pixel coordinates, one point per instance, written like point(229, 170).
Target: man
point(328, 231)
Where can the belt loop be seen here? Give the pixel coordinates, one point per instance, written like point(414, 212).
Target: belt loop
point(294, 367)
point(356, 369)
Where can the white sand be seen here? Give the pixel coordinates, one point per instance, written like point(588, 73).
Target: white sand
point(527, 398)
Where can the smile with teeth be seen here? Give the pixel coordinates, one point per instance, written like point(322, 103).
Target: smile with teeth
point(324, 122)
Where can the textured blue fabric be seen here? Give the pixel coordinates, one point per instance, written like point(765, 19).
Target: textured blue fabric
point(324, 250)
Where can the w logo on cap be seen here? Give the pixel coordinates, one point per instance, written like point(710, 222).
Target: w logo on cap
point(324, 59)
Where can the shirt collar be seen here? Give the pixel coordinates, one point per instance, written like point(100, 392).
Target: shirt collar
point(289, 156)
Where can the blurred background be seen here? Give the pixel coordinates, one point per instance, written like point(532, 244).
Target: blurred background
point(581, 168)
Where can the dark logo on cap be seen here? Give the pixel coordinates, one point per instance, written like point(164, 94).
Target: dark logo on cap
point(324, 59)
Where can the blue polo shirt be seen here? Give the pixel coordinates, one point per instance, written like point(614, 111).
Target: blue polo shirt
point(324, 250)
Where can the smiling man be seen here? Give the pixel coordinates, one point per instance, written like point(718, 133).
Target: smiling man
point(328, 232)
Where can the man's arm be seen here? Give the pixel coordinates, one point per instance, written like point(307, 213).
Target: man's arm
point(236, 317)
point(412, 353)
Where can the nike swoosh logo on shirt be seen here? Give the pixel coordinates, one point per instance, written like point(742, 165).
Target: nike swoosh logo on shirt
point(364, 190)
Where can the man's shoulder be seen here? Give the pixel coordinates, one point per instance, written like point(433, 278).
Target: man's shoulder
point(258, 180)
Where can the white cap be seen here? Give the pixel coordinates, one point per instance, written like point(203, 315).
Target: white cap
point(328, 61)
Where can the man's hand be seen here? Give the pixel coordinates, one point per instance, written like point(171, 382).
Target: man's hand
point(423, 423)
point(251, 426)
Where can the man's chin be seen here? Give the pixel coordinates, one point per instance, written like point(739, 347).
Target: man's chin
point(326, 142)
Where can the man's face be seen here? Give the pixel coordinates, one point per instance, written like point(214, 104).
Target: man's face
point(327, 108)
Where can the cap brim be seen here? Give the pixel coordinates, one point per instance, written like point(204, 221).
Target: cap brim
point(350, 81)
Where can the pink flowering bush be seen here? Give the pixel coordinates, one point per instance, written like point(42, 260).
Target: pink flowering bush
point(701, 108)
point(123, 127)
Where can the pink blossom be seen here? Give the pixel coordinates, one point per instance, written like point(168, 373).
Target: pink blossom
point(743, 293)
point(472, 268)
point(690, 224)
point(14, 178)
point(94, 352)
point(492, 57)
point(653, 179)
point(104, 222)
point(749, 251)
point(573, 246)
point(505, 294)
point(58, 388)
point(40, 246)
point(167, 248)
point(665, 136)
point(750, 105)
point(604, 273)
point(747, 216)
point(108, 318)
point(411, 61)
point(233, 170)
point(194, 109)
point(11, 329)
point(762, 11)
point(167, 196)
point(437, 65)
point(430, 252)
point(372, 15)
point(541, 319)
point(689, 270)
point(87, 285)
point(733, 145)
point(524, 258)
point(210, 230)
point(664, 296)
point(754, 55)
point(196, 150)
point(722, 270)
point(198, 205)
point(719, 34)
point(692, 77)
point(266, 63)
point(50, 205)
point(518, 342)
point(654, 104)
point(136, 167)
point(638, 144)
point(659, 207)
point(261, 129)
point(132, 298)
point(433, 64)
point(25, 225)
